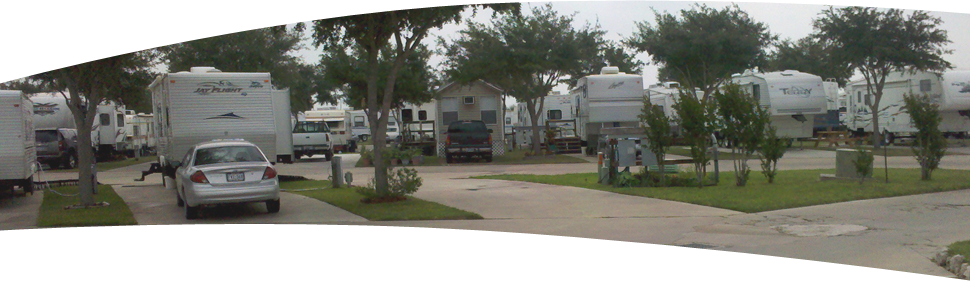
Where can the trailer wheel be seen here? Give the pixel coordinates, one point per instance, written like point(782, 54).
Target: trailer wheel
point(71, 161)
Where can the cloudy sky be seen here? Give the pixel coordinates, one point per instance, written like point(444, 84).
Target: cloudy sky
point(619, 19)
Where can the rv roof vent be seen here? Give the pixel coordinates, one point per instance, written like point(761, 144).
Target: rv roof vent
point(610, 70)
point(203, 69)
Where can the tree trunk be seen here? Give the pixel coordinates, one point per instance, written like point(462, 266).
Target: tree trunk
point(875, 127)
point(534, 113)
point(85, 160)
point(660, 165)
point(379, 137)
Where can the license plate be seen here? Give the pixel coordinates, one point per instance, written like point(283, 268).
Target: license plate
point(235, 176)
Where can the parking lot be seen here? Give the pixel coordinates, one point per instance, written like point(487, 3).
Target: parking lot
point(899, 233)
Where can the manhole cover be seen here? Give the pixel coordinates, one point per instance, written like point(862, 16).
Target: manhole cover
point(698, 245)
point(820, 229)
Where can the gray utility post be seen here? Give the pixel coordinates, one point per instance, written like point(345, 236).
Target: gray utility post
point(335, 172)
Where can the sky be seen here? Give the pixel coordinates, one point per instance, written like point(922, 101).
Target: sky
point(793, 21)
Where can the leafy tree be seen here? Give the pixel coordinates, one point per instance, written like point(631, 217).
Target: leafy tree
point(809, 55)
point(697, 125)
point(744, 123)
point(929, 145)
point(89, 58)
point(609, 54)
point(863, 164)
point(772, 149)
point(704, 46)
point(401, 32)
point(659, 133)
point(526, 55)
point(25, 85)
point(415, 83)
point(270, 50)
point(876, 42)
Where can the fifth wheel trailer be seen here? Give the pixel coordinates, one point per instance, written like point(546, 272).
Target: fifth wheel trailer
point(17, 151)
point(203, 104)
point(793, 99)
point(606, 100)
point(951, 91)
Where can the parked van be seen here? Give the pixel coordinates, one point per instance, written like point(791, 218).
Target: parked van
point(204, 104)
point(18, 157)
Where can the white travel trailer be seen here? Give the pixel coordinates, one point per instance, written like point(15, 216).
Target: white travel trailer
point(205, 104)
point(18, 156)
point(951, 91)
point(140, 129)
point(606, 100)
point(418, 113)
point(359, 125)
point(339, 122)
point(555, 107)
point(108, 129)
point(664, 95)
point(793, 99)
point(284, 126)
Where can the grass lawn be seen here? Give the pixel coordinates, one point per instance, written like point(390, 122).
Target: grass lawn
point(796, 188)
point(510, 158)
point(53, 214)
point(893, 150)
point(959, 248)
point(348, 199)
point(104, 166)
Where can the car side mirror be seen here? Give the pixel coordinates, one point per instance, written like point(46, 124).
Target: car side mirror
point(489, 131)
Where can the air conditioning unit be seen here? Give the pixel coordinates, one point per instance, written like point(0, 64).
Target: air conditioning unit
point(468, 100)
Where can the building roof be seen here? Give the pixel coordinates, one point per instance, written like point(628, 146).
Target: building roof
point(451, 83)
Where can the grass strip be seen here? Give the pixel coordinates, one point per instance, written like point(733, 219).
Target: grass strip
point(348, 199)
point(53, 214)
point(792, 188)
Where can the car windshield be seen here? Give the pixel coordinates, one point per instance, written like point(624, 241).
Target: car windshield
point(228, 154)
point(466, 127)
point(46, 136)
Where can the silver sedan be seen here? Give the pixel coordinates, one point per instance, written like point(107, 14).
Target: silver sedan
point(225, 171)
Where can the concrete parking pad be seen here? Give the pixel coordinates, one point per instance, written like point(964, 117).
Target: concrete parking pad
point(153, 204)
point(18, 211)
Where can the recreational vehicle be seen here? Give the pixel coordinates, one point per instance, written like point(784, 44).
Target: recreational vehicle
point(203, 104)
point(108, 133)
point(418, 120)
point(951, 91)
point(830, 120)
point(792, 98)
point(556, 108)
point(17, 156)
point(140, 132)
point(339, 123)
point(284, 126)
point(606, 100)
point(359, 125)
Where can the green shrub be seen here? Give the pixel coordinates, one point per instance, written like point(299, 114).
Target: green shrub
point(929, 145)
point(863, 164)
point(400, 182)
point(771, 150)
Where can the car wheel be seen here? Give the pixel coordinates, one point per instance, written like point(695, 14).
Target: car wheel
point(364, 137)
point(273, 206)
point(192, 213)
point(179, 201)
point(70, 162)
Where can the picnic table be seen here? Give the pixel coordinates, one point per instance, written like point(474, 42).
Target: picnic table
point(834, 138)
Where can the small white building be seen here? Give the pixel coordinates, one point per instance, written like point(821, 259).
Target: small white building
point(477, 100)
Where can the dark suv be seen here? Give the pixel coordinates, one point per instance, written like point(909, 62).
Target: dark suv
point(468, 138)
point(57, 147)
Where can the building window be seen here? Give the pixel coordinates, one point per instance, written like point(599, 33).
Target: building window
point(925, 86)
point(449, 116)
point(422, 115)
point(490, 117)
point(105, 119)
point(554, 114)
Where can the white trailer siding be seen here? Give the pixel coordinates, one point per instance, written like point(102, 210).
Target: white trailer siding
point(284, 124)
point(198, 107)
point(951, 91)
point(17, 150)
point(606, 101)
point(51, 112)
point(793, 99)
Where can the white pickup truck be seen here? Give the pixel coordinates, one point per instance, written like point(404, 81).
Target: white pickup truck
point(311, 137)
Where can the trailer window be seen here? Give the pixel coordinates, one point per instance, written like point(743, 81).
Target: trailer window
point(105, 119)
point(925, 86)
point(422, 115)
point(554, 114)
point(334, 124)
point(121, 120)
point(508, 120)
point(407, 115)
point(756, 92)
point(359, 121)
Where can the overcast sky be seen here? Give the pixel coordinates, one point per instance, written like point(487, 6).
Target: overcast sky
point(619, 19)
